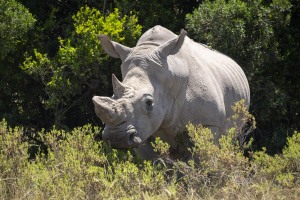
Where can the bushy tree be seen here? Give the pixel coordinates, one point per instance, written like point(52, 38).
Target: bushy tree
point(81, 69)
point(16, 23)
point(256, 34)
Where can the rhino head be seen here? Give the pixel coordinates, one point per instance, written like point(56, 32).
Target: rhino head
point(140, 103)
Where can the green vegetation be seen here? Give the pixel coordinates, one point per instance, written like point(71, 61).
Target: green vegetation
point(12, 27)
point(73, 165)
point(51, 64)
point(16, 22)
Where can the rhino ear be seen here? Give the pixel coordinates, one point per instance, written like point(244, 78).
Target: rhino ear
point(114, 49)
point(172, 45)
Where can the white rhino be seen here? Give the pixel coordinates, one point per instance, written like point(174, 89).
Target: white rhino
point(168, 81)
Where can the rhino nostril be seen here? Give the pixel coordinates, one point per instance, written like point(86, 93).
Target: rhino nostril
point(131, 137)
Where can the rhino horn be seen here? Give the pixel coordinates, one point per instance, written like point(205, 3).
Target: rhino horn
point(172, 45)
point(108, 110)
point(118, 87)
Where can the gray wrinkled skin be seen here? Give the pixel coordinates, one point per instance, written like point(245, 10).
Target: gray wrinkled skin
point(168, 81)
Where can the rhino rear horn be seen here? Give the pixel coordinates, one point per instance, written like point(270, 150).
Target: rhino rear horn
point(118, 87)
point(172, 45)
point(114, 49)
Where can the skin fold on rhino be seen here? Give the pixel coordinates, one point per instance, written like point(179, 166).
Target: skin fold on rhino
point(168, 82)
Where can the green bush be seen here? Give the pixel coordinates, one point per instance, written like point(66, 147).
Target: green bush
point(15, 21)
point(16, 24)
point(285, 167)
point(73, 165)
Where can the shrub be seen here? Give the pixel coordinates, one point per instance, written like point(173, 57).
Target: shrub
point(285, 167)
point(15, 21)
point(73, 165)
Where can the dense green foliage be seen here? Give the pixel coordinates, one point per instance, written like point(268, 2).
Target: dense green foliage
point(15, 24)
point(13, 28)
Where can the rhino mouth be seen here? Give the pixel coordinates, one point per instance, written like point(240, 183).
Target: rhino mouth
point(121, 137)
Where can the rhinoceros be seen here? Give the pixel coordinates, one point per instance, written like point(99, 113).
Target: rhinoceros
point(168, 81)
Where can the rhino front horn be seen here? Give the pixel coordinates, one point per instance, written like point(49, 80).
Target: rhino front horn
point(107, 110)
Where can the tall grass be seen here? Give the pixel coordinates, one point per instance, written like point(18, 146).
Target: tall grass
point(72, 165)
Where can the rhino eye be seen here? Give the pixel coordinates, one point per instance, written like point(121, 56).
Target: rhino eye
point(149, 104)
